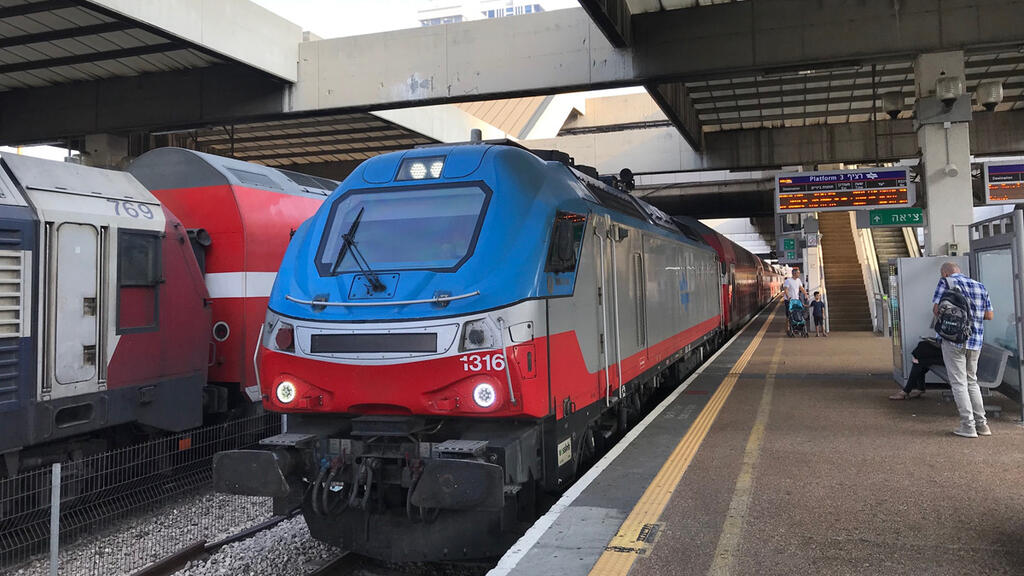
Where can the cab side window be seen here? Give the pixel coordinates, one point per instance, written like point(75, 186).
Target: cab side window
point(138, 281)
point(566, 238)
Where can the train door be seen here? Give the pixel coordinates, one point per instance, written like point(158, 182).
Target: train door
point(640, 297)
point(607, 305)
point(74, 309)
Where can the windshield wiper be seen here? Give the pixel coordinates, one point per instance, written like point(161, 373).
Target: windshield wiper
point(348, 242)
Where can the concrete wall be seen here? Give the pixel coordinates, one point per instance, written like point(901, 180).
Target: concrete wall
point(239, 29)
point(543, 53)
point(650, 150)
point(615, 110)
point(664, 150)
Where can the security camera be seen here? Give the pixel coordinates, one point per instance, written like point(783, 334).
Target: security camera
point(990, 94)
point(892, 103)
point(948, 89)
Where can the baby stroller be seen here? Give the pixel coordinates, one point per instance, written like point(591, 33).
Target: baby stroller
point(797, 319)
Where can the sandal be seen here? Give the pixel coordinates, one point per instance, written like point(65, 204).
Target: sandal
point(901, 395)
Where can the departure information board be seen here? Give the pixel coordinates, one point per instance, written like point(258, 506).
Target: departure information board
point(1004, 182)
point(842, 190)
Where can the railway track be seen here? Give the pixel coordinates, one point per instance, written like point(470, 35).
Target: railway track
point(343, 564)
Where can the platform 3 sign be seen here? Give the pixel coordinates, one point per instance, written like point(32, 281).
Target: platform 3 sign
point(843, 190)
point(1004, 182)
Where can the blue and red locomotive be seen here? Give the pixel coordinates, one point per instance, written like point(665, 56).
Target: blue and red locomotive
point(459, 327)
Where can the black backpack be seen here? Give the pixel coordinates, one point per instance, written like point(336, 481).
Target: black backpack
point(954, 320)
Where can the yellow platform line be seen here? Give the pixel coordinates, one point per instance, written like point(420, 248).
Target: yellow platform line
point(633, 538)
point(729, 542)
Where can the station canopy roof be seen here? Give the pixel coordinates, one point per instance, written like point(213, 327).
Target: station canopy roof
point(297, 141)
point(48, 42)
point(836, 94)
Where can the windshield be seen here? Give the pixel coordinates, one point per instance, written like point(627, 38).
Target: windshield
point(416, 228)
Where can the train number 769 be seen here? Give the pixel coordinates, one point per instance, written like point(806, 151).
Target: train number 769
point(478, 363)
point(132, 209)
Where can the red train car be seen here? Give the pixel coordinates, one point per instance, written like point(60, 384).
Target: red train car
point(240, 217)
point(101, 299)
point(745, 281)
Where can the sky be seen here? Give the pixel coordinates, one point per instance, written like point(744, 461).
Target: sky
point(337, 18)
point(48, 152)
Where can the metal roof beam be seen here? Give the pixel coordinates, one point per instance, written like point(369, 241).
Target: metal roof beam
point(613, 18)
point(333, 151)
point(708, 100)
point(734, 108)
point(319, 122)
point(795, 85)
point(35, 8)
point(811, 115)
point(788, 81)
point(762, 82)
point(87, 58)
point(299, 140)
point(790, 104)
point(65, 33)
point(290, 135)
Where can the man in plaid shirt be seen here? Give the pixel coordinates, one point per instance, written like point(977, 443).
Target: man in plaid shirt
point(962, 359)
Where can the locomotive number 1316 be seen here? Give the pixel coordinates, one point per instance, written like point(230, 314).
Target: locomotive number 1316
point(478, 363)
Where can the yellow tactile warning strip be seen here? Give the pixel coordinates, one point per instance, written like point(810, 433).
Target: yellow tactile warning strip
point(729, 541)
point(638, 531)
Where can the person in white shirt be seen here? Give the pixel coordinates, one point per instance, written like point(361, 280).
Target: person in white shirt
point(792, 288)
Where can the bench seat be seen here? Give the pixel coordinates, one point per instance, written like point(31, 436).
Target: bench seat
point(991, 365)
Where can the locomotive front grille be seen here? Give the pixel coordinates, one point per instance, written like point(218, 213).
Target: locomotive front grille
point(9, 364)
point(11, 292)
point(425, 342)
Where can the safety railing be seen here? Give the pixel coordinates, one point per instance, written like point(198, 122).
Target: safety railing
point(871, 273)
point(116, 512)
point(913, 246)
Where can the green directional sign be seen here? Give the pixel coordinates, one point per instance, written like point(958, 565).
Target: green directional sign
point(789, 244)
point(896, 217)
point(790, 255)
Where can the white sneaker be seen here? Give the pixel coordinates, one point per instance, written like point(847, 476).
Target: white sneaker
point(983, 430)
point(966, 431)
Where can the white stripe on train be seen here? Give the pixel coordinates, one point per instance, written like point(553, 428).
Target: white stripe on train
point(240, 284)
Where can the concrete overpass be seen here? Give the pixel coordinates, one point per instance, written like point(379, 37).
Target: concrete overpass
point(741, 85)
point(738, 68)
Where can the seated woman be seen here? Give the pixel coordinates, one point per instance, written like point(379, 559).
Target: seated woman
point(925, 355)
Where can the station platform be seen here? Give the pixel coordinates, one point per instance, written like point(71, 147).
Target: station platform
point(785, 456)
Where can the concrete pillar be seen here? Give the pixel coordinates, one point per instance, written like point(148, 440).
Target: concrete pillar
point(944, 138)
point(105, 151)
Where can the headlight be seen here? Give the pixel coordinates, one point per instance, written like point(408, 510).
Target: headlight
point(285, 392)
point(478, 335)
point(421, 168)
point(484, 395)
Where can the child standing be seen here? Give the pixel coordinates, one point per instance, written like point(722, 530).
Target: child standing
point(818, 311)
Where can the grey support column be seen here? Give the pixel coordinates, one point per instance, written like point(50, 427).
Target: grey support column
point(105, 151)
point(943, 113)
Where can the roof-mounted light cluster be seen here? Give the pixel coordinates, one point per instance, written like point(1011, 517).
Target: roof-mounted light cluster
point(428, 168)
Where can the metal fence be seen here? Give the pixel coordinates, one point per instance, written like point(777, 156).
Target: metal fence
point(121, 510)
